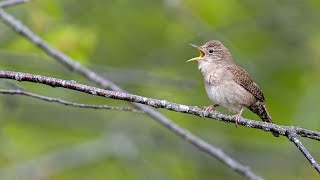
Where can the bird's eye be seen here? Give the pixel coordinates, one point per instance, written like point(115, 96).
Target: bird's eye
point(211, 51)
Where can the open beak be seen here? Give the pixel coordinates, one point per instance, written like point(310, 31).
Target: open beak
point(202, 54)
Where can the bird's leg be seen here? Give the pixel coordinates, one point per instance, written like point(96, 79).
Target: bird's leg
point(237, 117)
point(206, 110)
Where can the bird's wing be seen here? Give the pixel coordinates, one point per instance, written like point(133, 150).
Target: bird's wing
point(242, 78)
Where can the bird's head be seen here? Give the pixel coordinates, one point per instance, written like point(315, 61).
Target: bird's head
point(211, 52)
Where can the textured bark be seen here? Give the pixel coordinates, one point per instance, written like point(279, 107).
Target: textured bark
point(157, 103)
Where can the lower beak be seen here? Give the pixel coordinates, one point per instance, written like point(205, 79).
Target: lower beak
point(201, 53)
point(195, 59)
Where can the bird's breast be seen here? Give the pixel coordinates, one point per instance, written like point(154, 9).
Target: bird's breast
point(229, 95)
point(213, 73)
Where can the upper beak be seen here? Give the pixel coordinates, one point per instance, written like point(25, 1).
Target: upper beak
point(201, 53)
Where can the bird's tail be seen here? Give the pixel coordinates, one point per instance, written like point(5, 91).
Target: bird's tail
point(260, 109)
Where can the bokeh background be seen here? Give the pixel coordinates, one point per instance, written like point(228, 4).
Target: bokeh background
point(142, 46)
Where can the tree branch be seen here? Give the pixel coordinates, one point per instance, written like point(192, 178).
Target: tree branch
point(194, 110)
point(23, 30)
point(60, 101)
point(5, 4)
point(292, 136)
point(289, 131)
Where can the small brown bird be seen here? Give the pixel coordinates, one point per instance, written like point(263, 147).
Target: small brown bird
point(227, 84)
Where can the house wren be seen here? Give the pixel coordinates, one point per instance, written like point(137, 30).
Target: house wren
point(227, 84)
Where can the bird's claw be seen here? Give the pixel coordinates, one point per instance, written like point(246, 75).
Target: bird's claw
point(236, 119)
point(206, 110)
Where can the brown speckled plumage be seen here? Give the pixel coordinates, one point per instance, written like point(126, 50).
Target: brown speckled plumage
point(242, 78)
point(229, 85)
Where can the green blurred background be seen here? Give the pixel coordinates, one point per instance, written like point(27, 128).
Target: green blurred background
point(143, 46)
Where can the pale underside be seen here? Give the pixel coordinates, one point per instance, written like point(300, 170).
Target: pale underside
point(222, 89)
point(229, 95)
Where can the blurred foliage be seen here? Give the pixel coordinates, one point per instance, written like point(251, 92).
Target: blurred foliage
point(142, 46)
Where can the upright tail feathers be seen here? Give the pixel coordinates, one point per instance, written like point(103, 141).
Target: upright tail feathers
point(260, 109)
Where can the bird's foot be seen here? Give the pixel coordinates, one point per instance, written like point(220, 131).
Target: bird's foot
point(206, 110)
point(237, 117)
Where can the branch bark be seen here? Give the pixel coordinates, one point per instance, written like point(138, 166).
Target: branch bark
point(157, 103)
point(292, 136)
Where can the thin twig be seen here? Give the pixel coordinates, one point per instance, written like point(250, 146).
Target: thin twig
point(202, 145)
point(4, 4)
point(292, 136)
point(60, 101)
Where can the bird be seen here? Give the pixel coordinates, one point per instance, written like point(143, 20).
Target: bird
point(227, 84)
